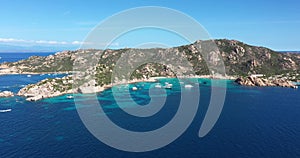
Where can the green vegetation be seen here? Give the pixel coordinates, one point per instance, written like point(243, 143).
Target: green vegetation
point(240, 60)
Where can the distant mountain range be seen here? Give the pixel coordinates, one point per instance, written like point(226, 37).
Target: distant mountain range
point(289, 52)
point(6, 48)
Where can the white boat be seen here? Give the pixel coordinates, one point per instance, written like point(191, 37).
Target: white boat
point(158, 86)
point(70, 97)
point(7, 110)
point(168, 85)
point(188, 86)
point(28, 75)
point(134, 88)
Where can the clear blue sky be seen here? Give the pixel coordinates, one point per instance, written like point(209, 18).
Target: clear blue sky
point(269, 23)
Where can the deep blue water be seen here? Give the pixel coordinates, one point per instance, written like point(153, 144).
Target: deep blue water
point(15, 82)
point(255, 122)
point(12, 57)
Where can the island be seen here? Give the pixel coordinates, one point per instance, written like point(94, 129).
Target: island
point(6, 94)
point(247, 65)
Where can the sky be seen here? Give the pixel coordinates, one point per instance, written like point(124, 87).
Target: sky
point(65, 24)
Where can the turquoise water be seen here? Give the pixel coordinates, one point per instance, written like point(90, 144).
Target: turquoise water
point(255, 122)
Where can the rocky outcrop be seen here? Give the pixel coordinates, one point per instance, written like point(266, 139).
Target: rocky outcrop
point(47, 88)
point(262, 82)
point(55, 87)
point(6, 94)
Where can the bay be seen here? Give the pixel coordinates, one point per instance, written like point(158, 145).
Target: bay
point(255, 122)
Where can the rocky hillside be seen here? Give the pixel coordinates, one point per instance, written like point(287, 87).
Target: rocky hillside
point(60, 62)
point(93, 70)
point(242, 59)
point(239, 58)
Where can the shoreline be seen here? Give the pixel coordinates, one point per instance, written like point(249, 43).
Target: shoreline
point(39, 92)
point(99, 89)
point(39, 95)
point(88, 90)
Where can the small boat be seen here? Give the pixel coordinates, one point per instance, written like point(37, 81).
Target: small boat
point(158, 86)
point(188, 86)
point(168, 86)
point(28, 75)
point(7, 110)
point(70, 97)
point(134, 88)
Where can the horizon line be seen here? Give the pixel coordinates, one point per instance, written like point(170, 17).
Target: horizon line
point(48, 49)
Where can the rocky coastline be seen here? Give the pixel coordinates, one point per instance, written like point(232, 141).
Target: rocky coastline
point(263, 82)
point(49, 88)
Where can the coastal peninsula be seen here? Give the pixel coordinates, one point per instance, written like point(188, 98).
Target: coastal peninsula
point(240, 60)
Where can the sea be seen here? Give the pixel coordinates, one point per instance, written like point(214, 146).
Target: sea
point(255, 121)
